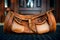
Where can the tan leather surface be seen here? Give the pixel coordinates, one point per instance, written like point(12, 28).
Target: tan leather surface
point(52, 21)
point(23, 29)
point(30, 23)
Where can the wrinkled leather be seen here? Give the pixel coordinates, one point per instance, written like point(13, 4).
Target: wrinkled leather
point(30, 23)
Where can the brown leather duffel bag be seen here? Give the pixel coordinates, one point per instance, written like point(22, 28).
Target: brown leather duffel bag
point(40, 23)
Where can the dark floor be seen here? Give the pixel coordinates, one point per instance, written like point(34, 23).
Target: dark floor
point(47, 36)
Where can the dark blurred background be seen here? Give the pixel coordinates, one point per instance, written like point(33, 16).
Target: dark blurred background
point(7, 3)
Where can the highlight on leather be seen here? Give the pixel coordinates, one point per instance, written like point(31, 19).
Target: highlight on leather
point(40, 24)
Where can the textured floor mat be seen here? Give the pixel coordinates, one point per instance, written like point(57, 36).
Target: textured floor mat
point(13, 36)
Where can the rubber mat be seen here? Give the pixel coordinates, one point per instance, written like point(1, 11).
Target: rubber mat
point(46, 36)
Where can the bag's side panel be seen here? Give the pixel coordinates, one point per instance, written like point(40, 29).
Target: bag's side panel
point(8, 21)
point(52, 21)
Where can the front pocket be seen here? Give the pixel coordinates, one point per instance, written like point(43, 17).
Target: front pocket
point(17, 28)
point(43, 28)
